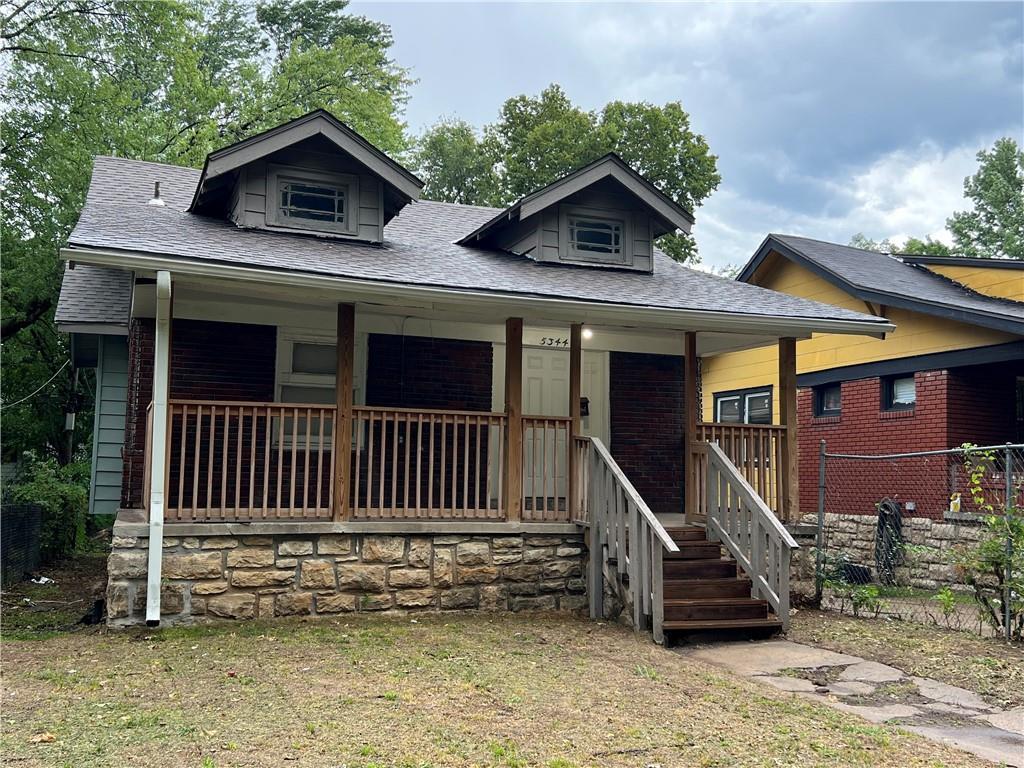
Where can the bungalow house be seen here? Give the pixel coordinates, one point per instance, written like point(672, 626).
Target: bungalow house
point(952, 371)
point(317, 393)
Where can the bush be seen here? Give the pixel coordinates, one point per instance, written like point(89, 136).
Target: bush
point(63, 494)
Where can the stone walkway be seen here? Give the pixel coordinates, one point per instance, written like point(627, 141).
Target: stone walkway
point(877, 693)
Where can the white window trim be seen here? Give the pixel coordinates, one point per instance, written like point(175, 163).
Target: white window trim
point(286, 340)
point(623, 218)
point(718, 408)
point(278, 173)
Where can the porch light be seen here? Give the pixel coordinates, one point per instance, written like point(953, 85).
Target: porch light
point(587, 334)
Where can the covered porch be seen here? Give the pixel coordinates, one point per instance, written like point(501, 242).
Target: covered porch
point(523, 395)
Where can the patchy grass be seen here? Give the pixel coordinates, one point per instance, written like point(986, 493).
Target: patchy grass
point(987, 666)
point(435, 690)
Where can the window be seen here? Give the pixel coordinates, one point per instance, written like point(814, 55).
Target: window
point(592, 235)
point(749, 406)
point(898, 393)
point(316, 202)
point(828, 400)
point(300, 198)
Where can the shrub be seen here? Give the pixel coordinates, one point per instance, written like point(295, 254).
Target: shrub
point(63, 495)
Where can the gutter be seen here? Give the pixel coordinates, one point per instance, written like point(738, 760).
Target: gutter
point(158, 447)
point(572, 309)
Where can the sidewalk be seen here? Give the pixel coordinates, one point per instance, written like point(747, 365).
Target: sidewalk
point(878, 693)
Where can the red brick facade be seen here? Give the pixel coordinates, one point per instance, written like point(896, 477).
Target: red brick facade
point(647, 425)
point(420, 372)
point(953, 406)
point(209, 361)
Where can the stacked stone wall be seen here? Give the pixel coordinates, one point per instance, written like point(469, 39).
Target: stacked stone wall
point(249, 577)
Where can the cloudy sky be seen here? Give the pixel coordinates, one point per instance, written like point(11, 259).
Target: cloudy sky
point(828, 119)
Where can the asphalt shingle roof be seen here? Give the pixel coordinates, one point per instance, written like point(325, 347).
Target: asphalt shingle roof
point(419, 250)
point(95, 296)
point(881, 273)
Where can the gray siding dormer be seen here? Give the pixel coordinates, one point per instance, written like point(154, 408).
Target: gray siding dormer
point(254, 200)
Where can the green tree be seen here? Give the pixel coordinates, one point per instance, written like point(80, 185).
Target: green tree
point(994, 229)
point(537, 139)
point(454, 164)
point(163, 81)
point(912, 246)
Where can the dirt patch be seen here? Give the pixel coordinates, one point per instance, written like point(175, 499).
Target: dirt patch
point(987, 666)
point(36, 611)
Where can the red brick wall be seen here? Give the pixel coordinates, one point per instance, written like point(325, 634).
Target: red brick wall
point(209, 361)
point(421, 372)
point(864, 428)
point(982, 404)
point(647, 425)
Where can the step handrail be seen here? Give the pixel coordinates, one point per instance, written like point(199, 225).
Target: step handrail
point(627, 542)
point(751, 532)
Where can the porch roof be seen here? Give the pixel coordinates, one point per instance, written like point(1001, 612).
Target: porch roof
point(117, 226)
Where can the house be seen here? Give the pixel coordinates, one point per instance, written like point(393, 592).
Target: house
point(514, 393)
point(952, 371)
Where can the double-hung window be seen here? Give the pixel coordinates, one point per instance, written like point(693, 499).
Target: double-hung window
point(306, 375)
point(748, 406)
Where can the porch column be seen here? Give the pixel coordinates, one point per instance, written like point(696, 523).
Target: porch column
point(514, 416)
point(575, 416)
point(790, 497)
point(158, 446)
point(346, 344)
point(690, 401)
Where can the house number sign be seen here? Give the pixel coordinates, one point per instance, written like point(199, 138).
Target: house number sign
point(552, 341)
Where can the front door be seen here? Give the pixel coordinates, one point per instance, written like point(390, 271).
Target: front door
point(545, 448)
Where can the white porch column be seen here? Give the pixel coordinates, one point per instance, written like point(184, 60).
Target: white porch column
point(158, 445)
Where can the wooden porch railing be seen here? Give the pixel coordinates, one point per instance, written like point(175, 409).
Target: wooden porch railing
point(627, 543)
point(427, 464)
point(546, 468)
point(756, 451)
point(755, 537)
point(249, 461)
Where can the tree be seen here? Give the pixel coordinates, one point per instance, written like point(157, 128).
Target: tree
point(455, 165)
point(167, 82)
point(913, 246)
point(536, 140)
point(994, 229)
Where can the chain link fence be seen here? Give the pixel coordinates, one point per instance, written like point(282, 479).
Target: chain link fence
point(934, 536)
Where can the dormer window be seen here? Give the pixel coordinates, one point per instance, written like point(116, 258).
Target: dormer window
point(312, 200)
point(316, 202)
point(593, 236)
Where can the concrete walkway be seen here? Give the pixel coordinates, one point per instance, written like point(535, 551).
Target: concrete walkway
point(876, 692)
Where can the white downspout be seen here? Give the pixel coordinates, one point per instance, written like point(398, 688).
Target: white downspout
point(158, 446)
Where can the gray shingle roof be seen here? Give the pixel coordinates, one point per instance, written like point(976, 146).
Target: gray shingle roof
point(886, 279)
point(419, 250)
point(92, 295)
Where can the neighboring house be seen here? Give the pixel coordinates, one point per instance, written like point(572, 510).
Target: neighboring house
point(477, 362)
point(951, 372)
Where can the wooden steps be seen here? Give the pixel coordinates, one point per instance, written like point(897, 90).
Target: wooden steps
point(704, 591)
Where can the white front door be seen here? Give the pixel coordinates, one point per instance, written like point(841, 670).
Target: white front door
point(545, 456)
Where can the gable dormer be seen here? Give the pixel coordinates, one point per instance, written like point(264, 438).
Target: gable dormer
point(312, 175)
point(603, 215)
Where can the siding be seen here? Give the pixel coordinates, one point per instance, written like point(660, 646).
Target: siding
point(992, 281)
point(108, 425)
point(915, 334)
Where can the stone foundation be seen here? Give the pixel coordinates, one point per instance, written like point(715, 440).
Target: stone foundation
point(928, 557)
point(262, 576)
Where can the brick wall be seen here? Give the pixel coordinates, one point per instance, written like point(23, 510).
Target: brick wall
point(647, 425)
point(982, 404)
point(420, 372)
point(209, 361)
point(864, 428)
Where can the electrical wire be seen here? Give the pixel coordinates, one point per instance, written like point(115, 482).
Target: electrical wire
point(28, 397)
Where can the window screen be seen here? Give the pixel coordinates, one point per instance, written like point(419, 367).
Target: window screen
point(751, 406)
point(759, 408)
point(730, 410)
point(314, 358)
point(828, 400)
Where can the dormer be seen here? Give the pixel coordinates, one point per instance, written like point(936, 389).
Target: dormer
point(313, 175)
point(603, 215)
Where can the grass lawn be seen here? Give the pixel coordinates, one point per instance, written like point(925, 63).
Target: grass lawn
point(988, 666)
point(440, 690)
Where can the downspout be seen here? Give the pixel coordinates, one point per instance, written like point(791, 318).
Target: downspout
point(158, 446)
